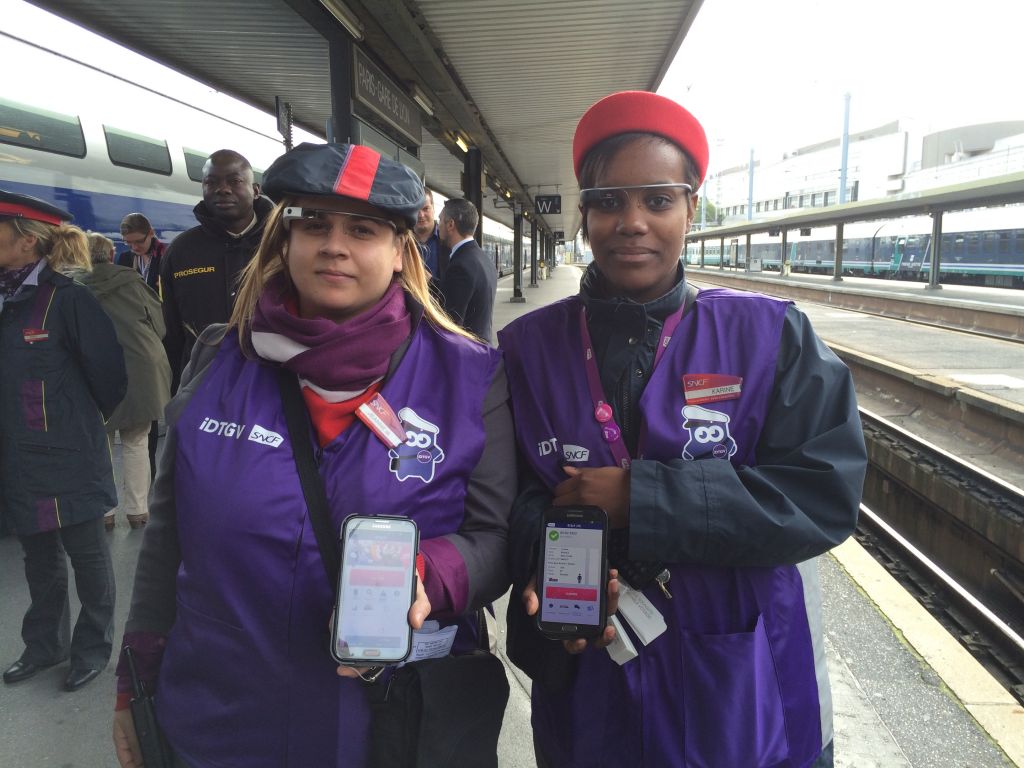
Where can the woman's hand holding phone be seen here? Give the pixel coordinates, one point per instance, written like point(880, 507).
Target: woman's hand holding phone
point(605, 487)
point(418, 612)
point(531, 601)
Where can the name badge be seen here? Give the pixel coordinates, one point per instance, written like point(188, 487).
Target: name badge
point(431, 642)
point(382, 421)
point(710, 387)
point(32, 335)
point(621, 649)
point(646, 620)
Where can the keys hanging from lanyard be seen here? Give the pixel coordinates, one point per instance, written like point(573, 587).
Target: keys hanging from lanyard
point(662, 579)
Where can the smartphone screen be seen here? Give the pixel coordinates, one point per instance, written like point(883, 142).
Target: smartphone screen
point(377, 586)
point(573, 572)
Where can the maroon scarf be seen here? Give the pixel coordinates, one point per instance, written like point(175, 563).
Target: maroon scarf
point(336, 360)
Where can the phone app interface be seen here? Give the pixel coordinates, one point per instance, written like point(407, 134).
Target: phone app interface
point(572, 573)
point(376, 584)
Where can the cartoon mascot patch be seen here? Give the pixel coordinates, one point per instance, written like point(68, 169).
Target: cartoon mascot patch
point(709, 434)
point(418, 455)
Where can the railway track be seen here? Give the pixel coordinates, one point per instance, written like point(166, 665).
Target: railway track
point(953, 535)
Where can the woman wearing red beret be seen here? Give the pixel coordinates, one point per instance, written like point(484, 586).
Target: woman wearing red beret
point(722, 439)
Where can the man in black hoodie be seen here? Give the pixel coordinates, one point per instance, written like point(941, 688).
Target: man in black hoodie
point(200, 270)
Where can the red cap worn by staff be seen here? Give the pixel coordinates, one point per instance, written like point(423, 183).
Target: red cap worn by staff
point(27, 207)
point(644, 112)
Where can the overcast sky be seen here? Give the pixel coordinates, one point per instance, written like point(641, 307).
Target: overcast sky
point(771, 74)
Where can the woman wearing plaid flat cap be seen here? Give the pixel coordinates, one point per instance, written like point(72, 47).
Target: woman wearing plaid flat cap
point(230, 614)
point(723, 441)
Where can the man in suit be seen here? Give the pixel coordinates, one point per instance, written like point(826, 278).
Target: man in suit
point(470, 281)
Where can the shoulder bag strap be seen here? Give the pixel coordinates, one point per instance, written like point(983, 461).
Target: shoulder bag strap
point(295, 415)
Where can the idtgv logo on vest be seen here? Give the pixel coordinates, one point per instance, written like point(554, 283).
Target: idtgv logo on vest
point(231, 429)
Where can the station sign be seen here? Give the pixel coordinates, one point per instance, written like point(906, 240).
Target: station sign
point(376, 91)
point(558, 234)
point(548, 203)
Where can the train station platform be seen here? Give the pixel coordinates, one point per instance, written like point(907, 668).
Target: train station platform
point(905, 693)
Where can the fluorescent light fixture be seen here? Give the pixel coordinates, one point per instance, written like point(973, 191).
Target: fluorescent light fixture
point(421, 98)
point(461, 143)
point(345, 17)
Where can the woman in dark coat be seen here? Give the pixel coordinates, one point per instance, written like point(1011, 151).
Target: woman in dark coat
point(63, 375)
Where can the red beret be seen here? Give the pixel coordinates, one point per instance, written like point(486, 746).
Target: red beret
point(645, 112)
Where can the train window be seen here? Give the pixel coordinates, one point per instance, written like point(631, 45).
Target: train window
point(194, 162)
point(1004, 243)
point(26, 126)
point(131, 150)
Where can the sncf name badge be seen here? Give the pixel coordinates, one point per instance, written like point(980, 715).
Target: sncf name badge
point(382, 421)
point(710, 387)
point(32, 335)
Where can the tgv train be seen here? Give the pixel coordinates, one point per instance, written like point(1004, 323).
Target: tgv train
point(102, 146)
point(979, 247)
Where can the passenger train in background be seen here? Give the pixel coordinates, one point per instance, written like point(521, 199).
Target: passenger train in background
point(983, 246)
point(103, 144)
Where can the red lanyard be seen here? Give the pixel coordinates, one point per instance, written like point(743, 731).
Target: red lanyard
point(603, 414)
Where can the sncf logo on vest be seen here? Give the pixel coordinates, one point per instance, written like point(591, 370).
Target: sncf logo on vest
point(575, 452)
point(257, 434)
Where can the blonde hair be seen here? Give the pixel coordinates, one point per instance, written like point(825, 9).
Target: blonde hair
point(64, 246)
point(101, 249)
point(269, 261)
point(69, 250)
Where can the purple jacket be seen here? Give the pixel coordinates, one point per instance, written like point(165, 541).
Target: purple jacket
point(246, 678)
point(738, 678)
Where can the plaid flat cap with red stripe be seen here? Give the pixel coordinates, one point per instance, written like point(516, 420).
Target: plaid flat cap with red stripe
point(346, 170)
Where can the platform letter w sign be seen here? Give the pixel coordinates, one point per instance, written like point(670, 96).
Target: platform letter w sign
point(548, 203)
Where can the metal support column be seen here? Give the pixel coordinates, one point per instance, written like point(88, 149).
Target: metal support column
point(702, 254)
point(746, 255)
point(721, 253)
point(784, 266)
point(473, 186)
point(340, 58)
point(936, 247)
point(837, 271)
point(517, 253)
point(533, 252)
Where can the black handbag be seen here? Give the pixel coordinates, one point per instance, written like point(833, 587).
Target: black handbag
point(431, 713)
point(156, 752)
point(438, 713)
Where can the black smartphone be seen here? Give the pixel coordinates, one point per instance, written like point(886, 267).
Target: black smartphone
point(376, 587)
point(572, 573)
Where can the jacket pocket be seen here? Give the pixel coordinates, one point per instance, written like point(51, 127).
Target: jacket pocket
point(733, 705)
point(33, 405)
point(50, 470)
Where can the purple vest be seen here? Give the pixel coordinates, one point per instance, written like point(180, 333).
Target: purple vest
point(247, 678)
point(732, 681)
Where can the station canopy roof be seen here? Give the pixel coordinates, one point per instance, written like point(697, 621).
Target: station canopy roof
point(511, 77)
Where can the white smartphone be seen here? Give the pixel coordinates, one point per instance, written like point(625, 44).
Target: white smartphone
point(376, 587)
